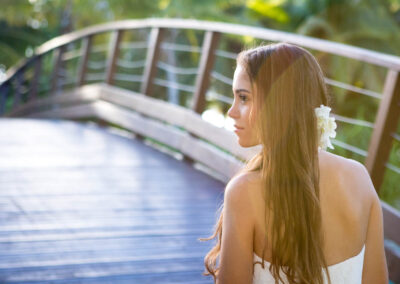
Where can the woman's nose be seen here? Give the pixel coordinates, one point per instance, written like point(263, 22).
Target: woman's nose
point(232, 112)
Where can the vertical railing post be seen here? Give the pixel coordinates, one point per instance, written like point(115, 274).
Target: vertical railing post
point(86, 46)
point(112, 56)
point(207, 59)
point(58, 53)
point(153, 53)
point(4, 89)
point(37, 69)
point(385, 124)
point(19, 79)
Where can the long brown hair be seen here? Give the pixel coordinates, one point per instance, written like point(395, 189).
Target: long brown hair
point(288, 84)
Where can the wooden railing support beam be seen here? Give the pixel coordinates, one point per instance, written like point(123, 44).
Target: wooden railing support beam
point(4, 89)
point(153, 54)
point(113, 53)
point(86, 46)
point(385, 124)
point(58, 54)
point(207, 59)
point(37, 69)
point(18, 89)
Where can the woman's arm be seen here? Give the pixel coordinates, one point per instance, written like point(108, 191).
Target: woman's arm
point(236, 258)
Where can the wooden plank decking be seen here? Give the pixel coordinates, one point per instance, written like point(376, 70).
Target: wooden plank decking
point(79, 204)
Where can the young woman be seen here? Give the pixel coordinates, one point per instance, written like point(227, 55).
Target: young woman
point(295, 213)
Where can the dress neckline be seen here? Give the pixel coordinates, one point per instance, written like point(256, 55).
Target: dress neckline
point(344, 261)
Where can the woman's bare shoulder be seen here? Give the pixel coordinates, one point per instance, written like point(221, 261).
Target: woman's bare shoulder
point(245, 179)
point(345, 165)
point(244, 188)
point(333, 160)
point(352, 174)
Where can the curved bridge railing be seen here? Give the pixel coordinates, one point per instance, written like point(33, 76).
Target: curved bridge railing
point(155, 77)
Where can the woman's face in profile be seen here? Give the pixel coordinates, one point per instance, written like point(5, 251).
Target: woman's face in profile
point(241, 108)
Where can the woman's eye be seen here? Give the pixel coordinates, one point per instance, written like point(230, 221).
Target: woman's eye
point(243, 98)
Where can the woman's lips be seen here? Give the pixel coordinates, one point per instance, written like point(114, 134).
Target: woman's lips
point(237, 128)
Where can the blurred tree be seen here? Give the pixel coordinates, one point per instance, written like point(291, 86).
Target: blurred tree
point(26, 24)
point(370, 24)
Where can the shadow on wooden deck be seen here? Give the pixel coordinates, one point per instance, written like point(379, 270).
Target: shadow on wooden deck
point(79, 204)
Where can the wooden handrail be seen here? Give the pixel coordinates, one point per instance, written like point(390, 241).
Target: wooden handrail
point(360, 54)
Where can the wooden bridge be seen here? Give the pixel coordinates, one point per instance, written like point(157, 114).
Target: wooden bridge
point(110, 174)
point(80, 204)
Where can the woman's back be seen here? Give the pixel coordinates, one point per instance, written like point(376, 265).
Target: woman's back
point(346, 200)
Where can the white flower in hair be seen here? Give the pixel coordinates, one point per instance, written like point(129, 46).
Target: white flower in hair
point(326, 127)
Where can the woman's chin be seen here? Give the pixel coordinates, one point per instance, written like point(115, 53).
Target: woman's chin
point(244, 144)
point(247, 143)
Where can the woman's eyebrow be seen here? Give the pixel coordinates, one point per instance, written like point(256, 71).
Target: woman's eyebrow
point(241, 90)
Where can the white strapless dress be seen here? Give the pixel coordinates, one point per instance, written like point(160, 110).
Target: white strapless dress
point(345, 272)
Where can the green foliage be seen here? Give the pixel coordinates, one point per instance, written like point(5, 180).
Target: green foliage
point(269, 9)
